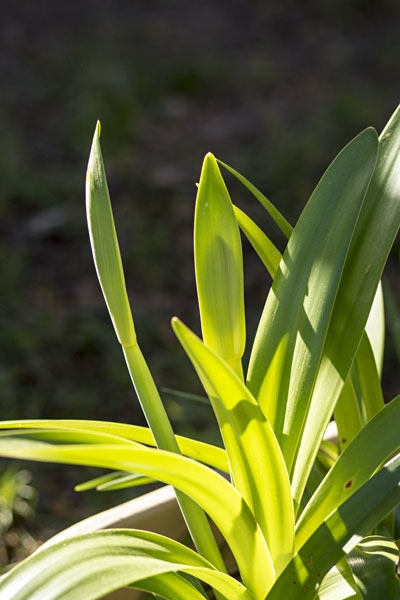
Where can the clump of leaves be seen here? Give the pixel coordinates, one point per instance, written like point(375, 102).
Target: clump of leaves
point(304, 518)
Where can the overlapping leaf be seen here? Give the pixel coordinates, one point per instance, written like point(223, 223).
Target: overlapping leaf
point(212, 492)
point(89, 566)
point(290, 338)
point(377, 441)
point(261, 458)
point(374, 235)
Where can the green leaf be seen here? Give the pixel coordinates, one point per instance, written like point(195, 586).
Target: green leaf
point(260, 456)
point(377, 441)
point(375, 328)
point(279, 219)
point(339, 535)
point(219, 267)
point(201, 451)
point(292, 331)
point(105, 248)
point(108, 263)
point(265, 249)
point(374, 235)
point(92, 565)
point(212, 492)
point(113, 481)
point(373, 562)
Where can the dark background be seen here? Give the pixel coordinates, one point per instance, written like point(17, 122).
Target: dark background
point(274, 89)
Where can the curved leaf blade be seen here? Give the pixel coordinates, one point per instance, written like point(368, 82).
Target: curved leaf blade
point(260, 458)
point(88, 566)
point(212, 492)
point(290, 339)
point(374, 235)
point(201, 451)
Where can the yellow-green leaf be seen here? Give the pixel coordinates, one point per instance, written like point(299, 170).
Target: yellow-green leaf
point(219, 267)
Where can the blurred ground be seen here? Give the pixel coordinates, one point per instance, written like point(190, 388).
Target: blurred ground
point(274, 90)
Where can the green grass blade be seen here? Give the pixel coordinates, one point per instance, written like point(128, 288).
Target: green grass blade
point(290, 338)
point(92, 565)
point(339, 535)
point(260, 455)
point(212, 492)
point(375, 232)
point(278, 218)
point(201, 451)
point(265, 249)
point(219, 267)
point(374, 444)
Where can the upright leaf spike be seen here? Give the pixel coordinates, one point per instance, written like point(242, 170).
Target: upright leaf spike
point(105, 248)
point(219, 267)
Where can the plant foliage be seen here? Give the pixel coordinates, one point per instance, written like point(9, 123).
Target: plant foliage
point(304, 518)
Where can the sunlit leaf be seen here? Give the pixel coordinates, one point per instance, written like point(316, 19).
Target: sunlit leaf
point(260, 456)
point(292, 331)
point(339, 535)
point(219, 267)
point(212, 492)
point(374, 235)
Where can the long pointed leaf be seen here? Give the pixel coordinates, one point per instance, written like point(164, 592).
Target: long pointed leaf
point(265, 249)
point(290, 339)
point(261, 455)
point(375, 232)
